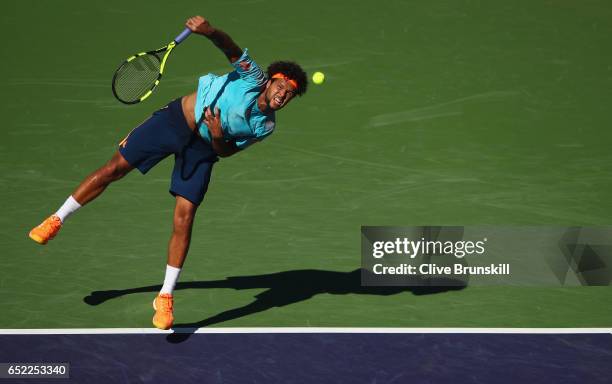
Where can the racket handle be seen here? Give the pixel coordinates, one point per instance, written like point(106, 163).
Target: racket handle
point(179, 39)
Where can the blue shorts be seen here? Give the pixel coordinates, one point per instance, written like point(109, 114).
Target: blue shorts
point(164, 133)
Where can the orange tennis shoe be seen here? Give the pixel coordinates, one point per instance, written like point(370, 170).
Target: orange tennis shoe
point(46, 230)
point(163, 318)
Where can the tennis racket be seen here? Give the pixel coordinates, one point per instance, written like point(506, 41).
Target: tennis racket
point(137, 77)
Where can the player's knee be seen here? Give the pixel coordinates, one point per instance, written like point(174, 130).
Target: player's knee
point(183, 220)
point(113, 171)
point(182, 224)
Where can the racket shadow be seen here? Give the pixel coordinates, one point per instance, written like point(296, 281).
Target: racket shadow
point(283, 288)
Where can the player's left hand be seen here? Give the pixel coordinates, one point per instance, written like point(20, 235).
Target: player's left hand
point(200, 25)
point(213, 122)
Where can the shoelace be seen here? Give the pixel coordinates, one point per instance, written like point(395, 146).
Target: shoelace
point(51, 225)
point(165, 304)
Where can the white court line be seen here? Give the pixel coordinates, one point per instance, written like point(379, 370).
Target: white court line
point(114, 331)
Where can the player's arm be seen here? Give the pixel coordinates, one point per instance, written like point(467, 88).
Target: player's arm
point(222, 40)
point(222, 147)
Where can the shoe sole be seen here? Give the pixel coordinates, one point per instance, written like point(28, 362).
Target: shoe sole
point(160, 327)
point(38, 239)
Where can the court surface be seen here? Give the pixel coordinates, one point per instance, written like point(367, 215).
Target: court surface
point(298, 355)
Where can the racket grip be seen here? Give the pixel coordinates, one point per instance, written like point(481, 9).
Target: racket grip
point(179, 39)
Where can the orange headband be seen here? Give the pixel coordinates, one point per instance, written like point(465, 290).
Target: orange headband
point(290, 81)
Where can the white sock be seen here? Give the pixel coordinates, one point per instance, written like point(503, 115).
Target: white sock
point(70, 206)
point(172, 275)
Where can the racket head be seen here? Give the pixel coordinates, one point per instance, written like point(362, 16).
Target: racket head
point(137, 77)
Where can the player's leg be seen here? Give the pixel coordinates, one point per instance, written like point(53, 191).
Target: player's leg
point(190, 177)
point(184, 213)
point(96, 183)
point(178, 246)
point(89, 189)
point(144, 147)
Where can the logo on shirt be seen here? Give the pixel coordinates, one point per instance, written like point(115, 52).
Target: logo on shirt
point(245, 65)
point(269, 125)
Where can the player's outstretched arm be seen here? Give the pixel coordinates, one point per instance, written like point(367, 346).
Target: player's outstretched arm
point(200, 25)
point(222, 147)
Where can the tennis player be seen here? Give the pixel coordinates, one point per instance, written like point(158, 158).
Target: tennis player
point(224, 116)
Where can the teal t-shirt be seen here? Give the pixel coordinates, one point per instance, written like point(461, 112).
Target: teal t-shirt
point(235, 94)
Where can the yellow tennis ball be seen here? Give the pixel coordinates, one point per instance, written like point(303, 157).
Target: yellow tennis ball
point(318, 77)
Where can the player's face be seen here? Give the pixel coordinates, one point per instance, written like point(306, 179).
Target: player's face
point(279, 93)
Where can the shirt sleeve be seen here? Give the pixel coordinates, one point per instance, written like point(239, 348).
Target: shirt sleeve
point(249, 71)
point(243, 144)
point(260, 134)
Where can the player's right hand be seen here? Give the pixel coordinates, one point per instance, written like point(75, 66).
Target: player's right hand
point(200, 25)
point(213, 122)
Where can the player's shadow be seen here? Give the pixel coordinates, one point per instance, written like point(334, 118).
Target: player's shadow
point(283, 288)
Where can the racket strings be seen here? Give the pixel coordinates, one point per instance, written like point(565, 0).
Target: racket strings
point(135, 78)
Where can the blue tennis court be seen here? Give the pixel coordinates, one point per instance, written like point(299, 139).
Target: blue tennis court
point(321, 357)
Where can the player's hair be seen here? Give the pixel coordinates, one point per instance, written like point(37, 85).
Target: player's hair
point(292, 71)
